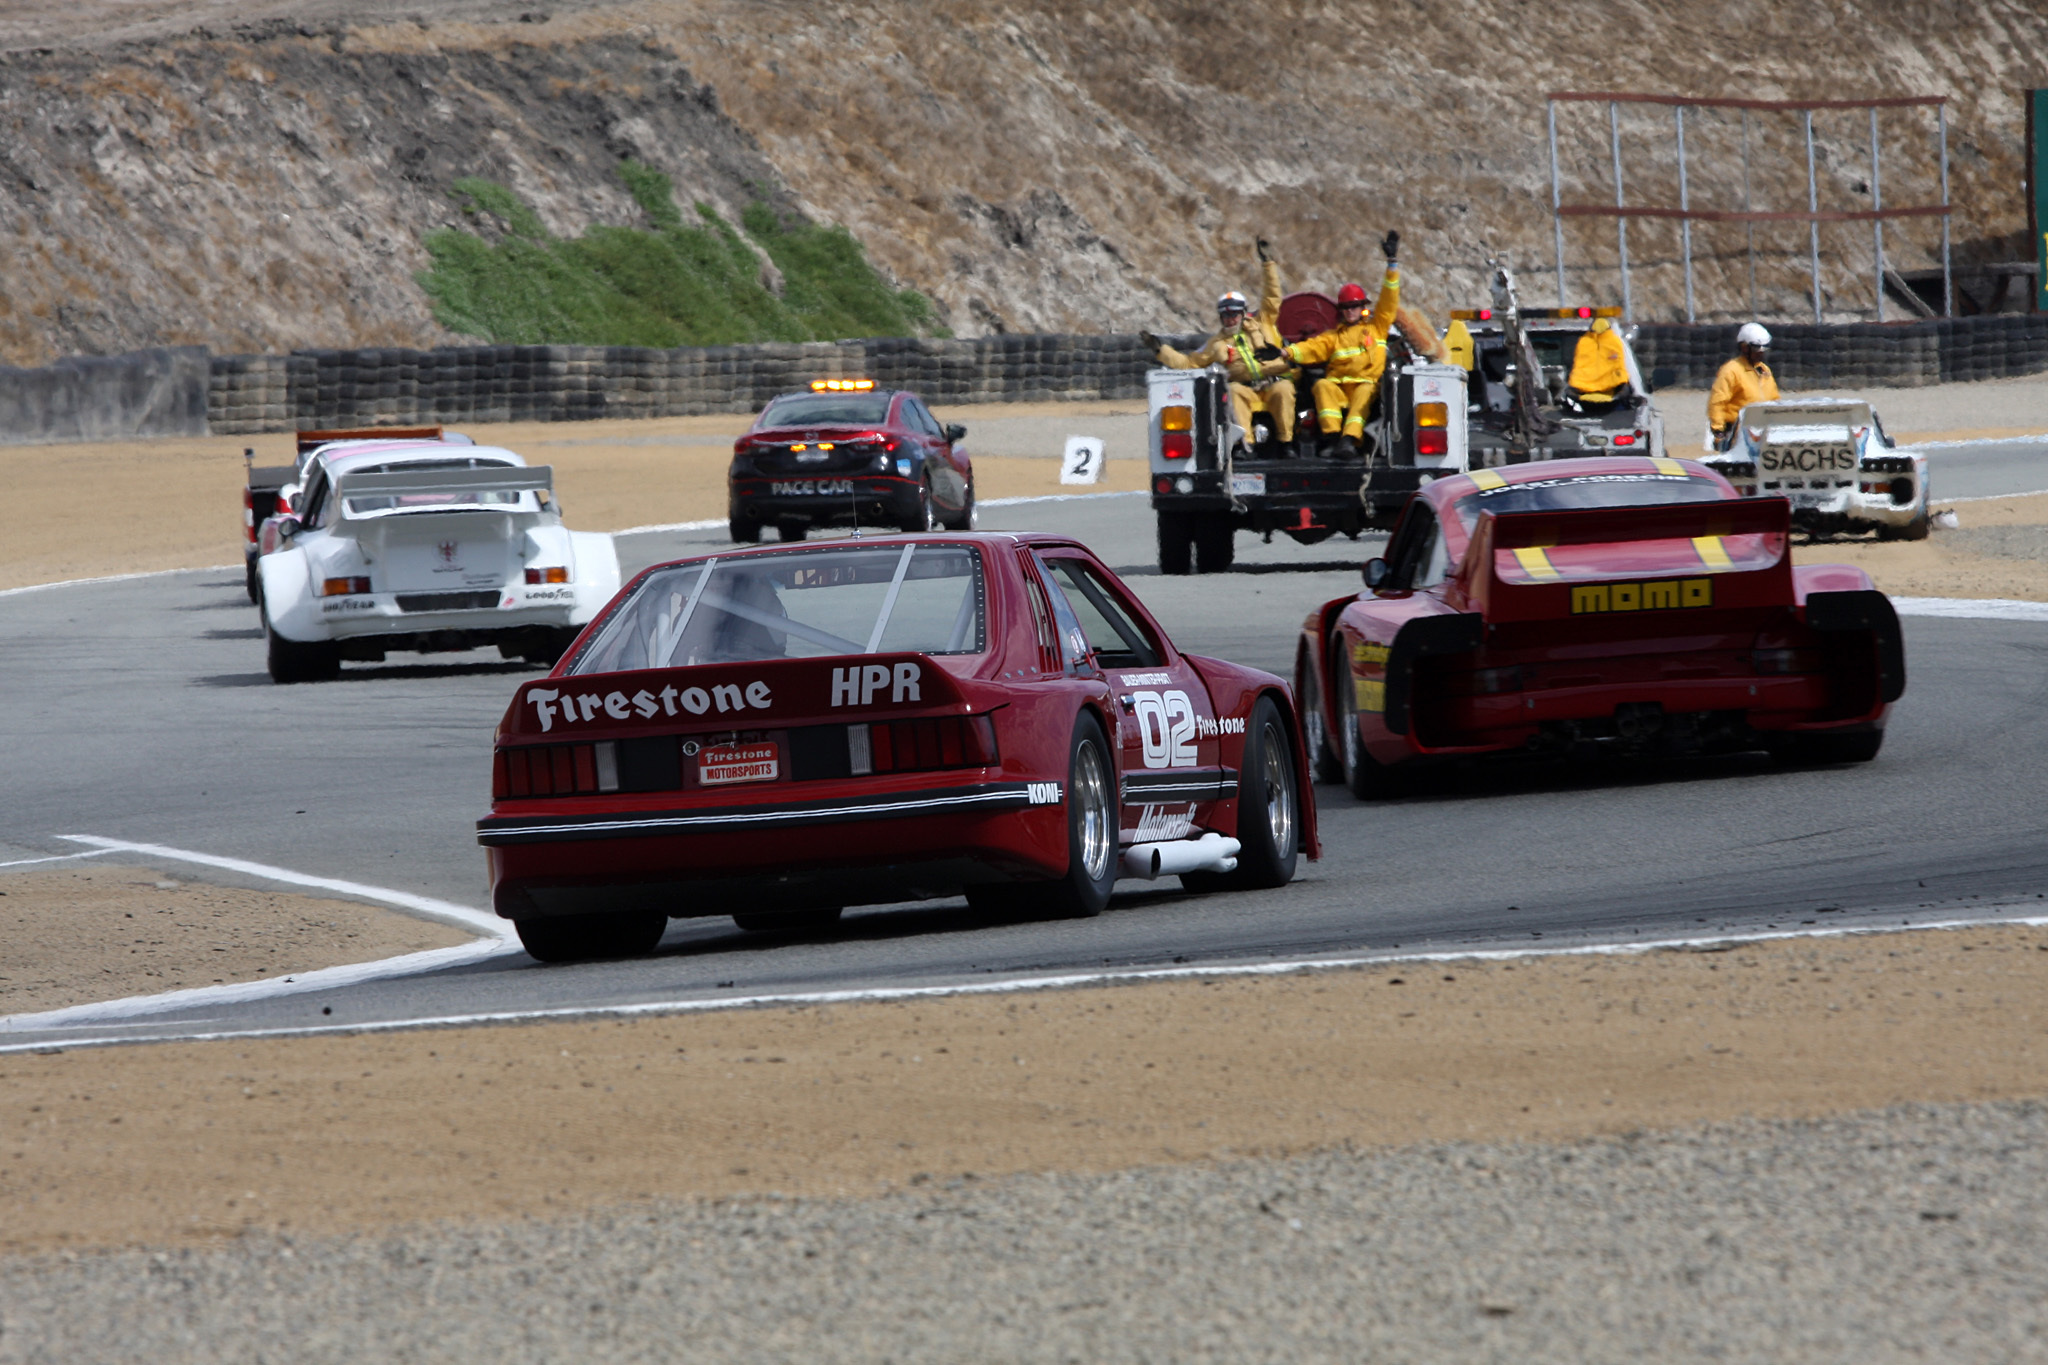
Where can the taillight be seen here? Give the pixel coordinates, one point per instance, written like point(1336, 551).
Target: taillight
point(555, 770)
point(1176, 445)
point(1432, 414)
point(1624, 439)
point(249, 515)
point(1432, 441)
point(555, 574)
point(1787, 660)
point(1177, 418)
point(899, 746)
point(342, 587)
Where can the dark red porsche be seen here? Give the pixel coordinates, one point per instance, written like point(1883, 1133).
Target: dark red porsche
point(845, 453)
point(777, 733)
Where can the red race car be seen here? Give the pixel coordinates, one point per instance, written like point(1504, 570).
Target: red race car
point(846, 453)
point(777, 733)
point(1615, 603)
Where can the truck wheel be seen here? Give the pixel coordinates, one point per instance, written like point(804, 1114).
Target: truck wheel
point(1367, 777)
point(292, 662)
point(1215, 543)
point(585, 938)
point(1268, 814)
point(1176, 543)
point(1092, 850)
point(1325, 764)
point(743, 530)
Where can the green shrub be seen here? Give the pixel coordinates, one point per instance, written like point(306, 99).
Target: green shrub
point(678, 284)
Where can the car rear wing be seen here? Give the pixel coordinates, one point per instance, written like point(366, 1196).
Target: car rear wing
point(311, 440)
point(373, 494)
point(761, 695)
point(1545, 566)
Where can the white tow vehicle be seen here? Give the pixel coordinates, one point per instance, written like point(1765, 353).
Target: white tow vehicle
point(427, 546)
point(1831, 459)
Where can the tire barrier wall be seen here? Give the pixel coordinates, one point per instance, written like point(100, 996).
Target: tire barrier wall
point(316, 389)
point(160, 392)
point(1893, 355)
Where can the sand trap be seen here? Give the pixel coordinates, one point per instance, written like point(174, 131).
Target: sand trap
point(80, 932)
point(175, 1142)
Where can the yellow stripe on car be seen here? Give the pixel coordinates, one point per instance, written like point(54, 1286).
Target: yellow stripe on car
point(1671, 467)
point(1712, 552)
point(1535, 562)
point(1488, 478)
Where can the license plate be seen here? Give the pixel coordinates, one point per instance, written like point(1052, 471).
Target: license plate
point(738, 763)
point(1248, 485)
point(1808, 459)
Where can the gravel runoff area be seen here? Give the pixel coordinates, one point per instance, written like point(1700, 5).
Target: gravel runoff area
point(1908, 1234)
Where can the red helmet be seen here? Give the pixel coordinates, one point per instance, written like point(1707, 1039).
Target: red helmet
point(1349, 294)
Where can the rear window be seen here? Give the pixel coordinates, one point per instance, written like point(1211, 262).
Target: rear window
point(826, 409)
point(1585, 490)
point(802, 604)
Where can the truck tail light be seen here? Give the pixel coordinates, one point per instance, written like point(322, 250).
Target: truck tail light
point(1432, 414)
point(900, 746)
point(554, 574)
point(1177, 418)
point(1176, 445)
point(1432, 441)
point(342, 587)
point(1624, 439)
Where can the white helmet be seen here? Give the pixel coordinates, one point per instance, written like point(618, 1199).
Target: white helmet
point(1752, 334)
point(1233, 302)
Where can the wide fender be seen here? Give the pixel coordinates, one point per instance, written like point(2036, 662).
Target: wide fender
point(1871, 612)
point(1808, 579)
point(1234, 691)
point(1417, 639)
point(286, 579)
point(1313, 663)
point(596, 557)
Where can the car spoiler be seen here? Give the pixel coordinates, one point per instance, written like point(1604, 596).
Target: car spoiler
point(1678, 557)
point(309, 440)
point(763, 695)
point(456, 484)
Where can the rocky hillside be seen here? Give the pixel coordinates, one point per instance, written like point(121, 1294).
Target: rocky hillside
point(264, 182)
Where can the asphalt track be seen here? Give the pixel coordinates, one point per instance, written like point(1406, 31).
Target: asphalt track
point(138, 710)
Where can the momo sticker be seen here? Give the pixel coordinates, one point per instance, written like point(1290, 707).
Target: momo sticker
point(1664, 594)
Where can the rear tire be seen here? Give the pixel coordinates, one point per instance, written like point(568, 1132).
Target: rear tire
point(1268, 810)
point(1367, 777)
point(789, 531)
point(1916, 529)
point(743, 530)
point(921, 519)
point(1092, 850)
point(1215, 543)
point(1176, 543)
point(965, 521)
point(587, 938)
point(789, 921)
point(553, 644)
point(292, 662)
point(1325, 763)
point(249, 580)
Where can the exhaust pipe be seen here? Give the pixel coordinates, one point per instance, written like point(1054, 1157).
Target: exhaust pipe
point(1210, 853)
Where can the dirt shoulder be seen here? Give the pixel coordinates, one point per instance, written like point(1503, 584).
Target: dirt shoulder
point(174, 1143)
point(82, 511)
point(82, 932)
point(2000, 549)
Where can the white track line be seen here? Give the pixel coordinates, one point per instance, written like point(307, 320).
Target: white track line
point(1972, 608)
point(58, 858)
point(477, 921)
point(670, 526)
point(114, 578)
point(1135, 976)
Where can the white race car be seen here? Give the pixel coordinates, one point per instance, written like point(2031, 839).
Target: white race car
point(425, 545)
point(1832, 459)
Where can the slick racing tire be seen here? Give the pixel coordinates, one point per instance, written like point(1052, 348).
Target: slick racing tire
point(548, 647)
point(1268, 810)
point(1916, 529)
point(789, 921)
point(1367, 777)
point(249, 580)
point(1325, 763)
point(1092, 850)
point(743, 530)
point(1854, 746)
point(1176, 543)
point(587, 938)
point(292, 662)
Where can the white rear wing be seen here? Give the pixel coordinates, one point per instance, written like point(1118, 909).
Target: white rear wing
point(498, 487)
point(1807, 412)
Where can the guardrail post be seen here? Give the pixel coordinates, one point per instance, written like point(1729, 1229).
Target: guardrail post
point(1628, 311)
point(1813, 209)
point(1684, 207)
point(1556, 201)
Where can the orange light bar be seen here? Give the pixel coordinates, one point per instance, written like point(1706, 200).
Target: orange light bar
point(1432, 414)
point(342, 587)
point(551, 574)
point(841, 385)
point(1177, 418)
